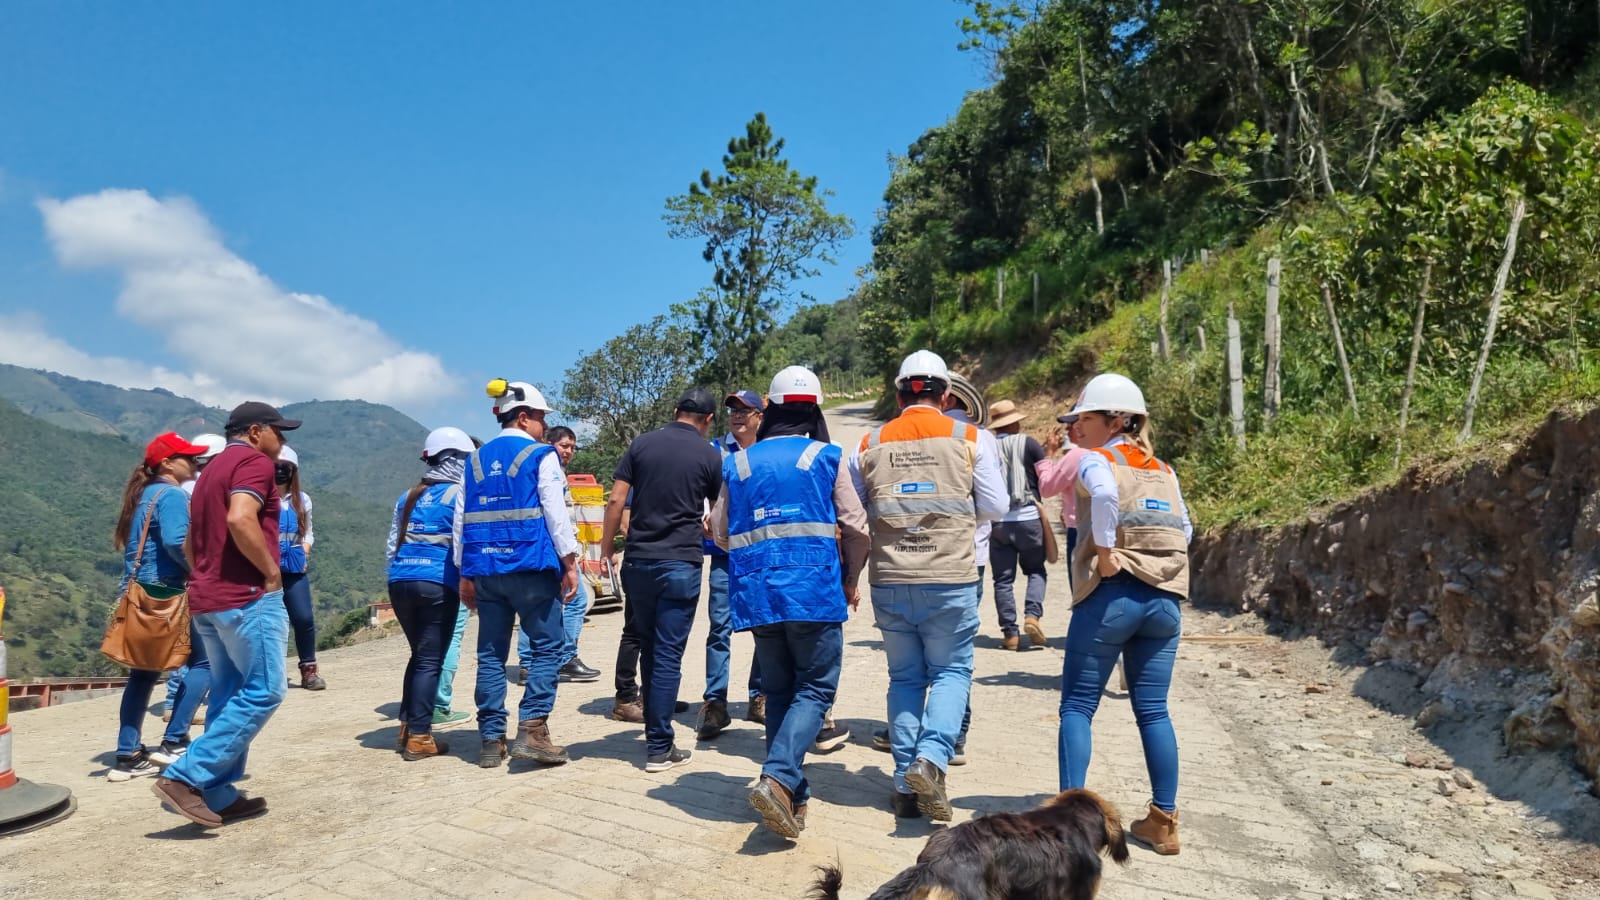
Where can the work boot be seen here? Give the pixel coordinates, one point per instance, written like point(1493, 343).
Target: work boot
point(1010, 642)
point(1158, 830)
point(628, 711)
point(534, 743)
point(422, 746)
point(757, 712)
point(1030, 624)
point(309, 679)
point(713, 718)
point(928, 781)
point(776, 806)
point(492, 754)
point(400, 742)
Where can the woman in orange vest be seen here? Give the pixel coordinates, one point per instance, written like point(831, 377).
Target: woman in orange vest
point(1130, 571)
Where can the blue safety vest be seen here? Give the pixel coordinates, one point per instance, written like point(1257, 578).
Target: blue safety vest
point(422, 551)
point(502, 523)
point(291, 553)
point(782, 551)
point(726, 445)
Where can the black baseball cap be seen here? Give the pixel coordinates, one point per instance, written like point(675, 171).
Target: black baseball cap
point(254, 412)
point(697, 400)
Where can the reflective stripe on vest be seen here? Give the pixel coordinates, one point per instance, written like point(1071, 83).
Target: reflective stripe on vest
point(781, 530)
point(502, 515)
point(930, 506)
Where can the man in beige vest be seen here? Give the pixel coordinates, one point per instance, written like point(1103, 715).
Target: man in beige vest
point(925, 482)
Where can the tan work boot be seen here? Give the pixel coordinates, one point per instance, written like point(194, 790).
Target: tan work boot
point(775, 804)
point(400, 742)
point(533, 742)
point(422, 746)
point(1031, 627)
point(628, 711)
point(1010, 642)
point(1158, 830)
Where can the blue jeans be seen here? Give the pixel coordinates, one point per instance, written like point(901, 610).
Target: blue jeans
point(427, 614)
point(663, 594)
point(186, 700)
point(719, 640)
point(297, 600)
point(927, 635)
point(247, 647)
point(175, 681)
point(571, 625)
point(1123, 615)
point(452, 661)
point(802, 661)
point(534, 598)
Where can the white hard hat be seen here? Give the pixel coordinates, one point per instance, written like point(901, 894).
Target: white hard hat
point(286, 454)
point(796, 384)
point(214, 444)
point(1109, 393)
point(922, 364)
point(446, 438)
point(514, 395)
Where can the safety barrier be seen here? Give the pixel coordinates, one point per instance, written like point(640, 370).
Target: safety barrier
point(24, 805)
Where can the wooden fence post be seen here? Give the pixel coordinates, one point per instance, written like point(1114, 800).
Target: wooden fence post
point(1000, 293)
point(1035, 294)
point(1338, 344)
point(1235, 378)
point(1166, 292)
point(1200, 332)
point(1411, 368)
point(1517, 212)
point(1274, 327)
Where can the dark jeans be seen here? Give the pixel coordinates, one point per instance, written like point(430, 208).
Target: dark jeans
point(534, 598)
point(1009, 544)
point(626, 679)
point(719, 640)
point(801, 663)
point(427, 614)
point(136, 699)
point(663, 594)
point(297, 600)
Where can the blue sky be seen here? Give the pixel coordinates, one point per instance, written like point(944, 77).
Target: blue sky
point(395, 201)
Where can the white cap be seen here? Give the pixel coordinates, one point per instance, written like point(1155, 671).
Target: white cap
point(446, 438)
point(1109, 393)
point(513, 395)
point(922, 364)
point(286, 454)
point(796, 384)
point(214, 444)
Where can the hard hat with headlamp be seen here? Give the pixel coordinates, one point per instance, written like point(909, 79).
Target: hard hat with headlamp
point(1111, 394)
point(796, 384)
point(510, 396)
point(920, 369)
point(446, 438)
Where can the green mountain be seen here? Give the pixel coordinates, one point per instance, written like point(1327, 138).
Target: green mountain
point(67, 447)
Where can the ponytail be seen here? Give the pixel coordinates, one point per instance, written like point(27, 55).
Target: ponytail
point(1137, 430)
point(141, 477)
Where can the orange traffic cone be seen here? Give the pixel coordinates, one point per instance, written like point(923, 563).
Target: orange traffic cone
point(24, 805)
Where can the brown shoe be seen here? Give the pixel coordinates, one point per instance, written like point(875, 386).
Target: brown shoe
point(1010, 642)
point(533, 742)
point(185, 801)
point(628, 711)
point(1158, 830)
point(422, 746)
point(243, 808)
point(774, 802)
point(400, 742)
point(757, 712)
point(1030, 625)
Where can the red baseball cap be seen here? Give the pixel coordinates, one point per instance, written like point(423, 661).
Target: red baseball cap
point(165, 446)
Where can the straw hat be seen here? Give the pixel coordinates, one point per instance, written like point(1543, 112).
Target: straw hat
point(1003, 413)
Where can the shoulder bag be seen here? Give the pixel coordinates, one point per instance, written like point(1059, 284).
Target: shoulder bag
point(149, 633)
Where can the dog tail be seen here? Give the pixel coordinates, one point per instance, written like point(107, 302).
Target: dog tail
point(830, 881)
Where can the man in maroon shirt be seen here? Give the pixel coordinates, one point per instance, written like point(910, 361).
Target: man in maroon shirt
point(236, 598)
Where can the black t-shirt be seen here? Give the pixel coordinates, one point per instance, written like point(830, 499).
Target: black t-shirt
point(673, 473)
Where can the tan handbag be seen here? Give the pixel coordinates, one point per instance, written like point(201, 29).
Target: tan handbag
point(146, 632)
point(1052, 547)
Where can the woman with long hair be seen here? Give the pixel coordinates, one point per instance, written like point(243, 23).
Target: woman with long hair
point(294, 553)
point(150, 530)
point(422, 583)
point(1130, 572)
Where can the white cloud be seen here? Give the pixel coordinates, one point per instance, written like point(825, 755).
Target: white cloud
point(241, 335)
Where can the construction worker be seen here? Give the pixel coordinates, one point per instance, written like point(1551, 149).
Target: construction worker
point(925, 483)
point(745, 411)
point(1019, 537)
point(1130, 570)
point(518, 554)
point(782, 500)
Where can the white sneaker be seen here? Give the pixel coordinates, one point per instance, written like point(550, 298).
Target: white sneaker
point(168, 753)
point(128, 768)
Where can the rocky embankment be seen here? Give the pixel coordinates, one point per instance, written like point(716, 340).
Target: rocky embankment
point(1481, 578)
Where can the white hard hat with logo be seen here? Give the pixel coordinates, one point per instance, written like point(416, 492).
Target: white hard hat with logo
point(796, 384)
point(514, 395)
point(214, 444)
point(446, 438)
point(923, 364)
point(1110, 393)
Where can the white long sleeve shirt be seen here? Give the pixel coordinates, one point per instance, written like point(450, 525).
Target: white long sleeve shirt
point(1105, 501)
point(986, 439)
point(552, 500)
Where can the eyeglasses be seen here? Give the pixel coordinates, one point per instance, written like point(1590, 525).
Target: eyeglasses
point(742, 413)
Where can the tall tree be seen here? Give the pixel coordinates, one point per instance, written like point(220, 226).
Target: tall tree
point(764, 226)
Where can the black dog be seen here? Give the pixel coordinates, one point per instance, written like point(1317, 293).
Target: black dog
point(1044, 854)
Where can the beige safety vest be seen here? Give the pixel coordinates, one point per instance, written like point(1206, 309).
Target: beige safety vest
point(918, 474)
point(1150, 542)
